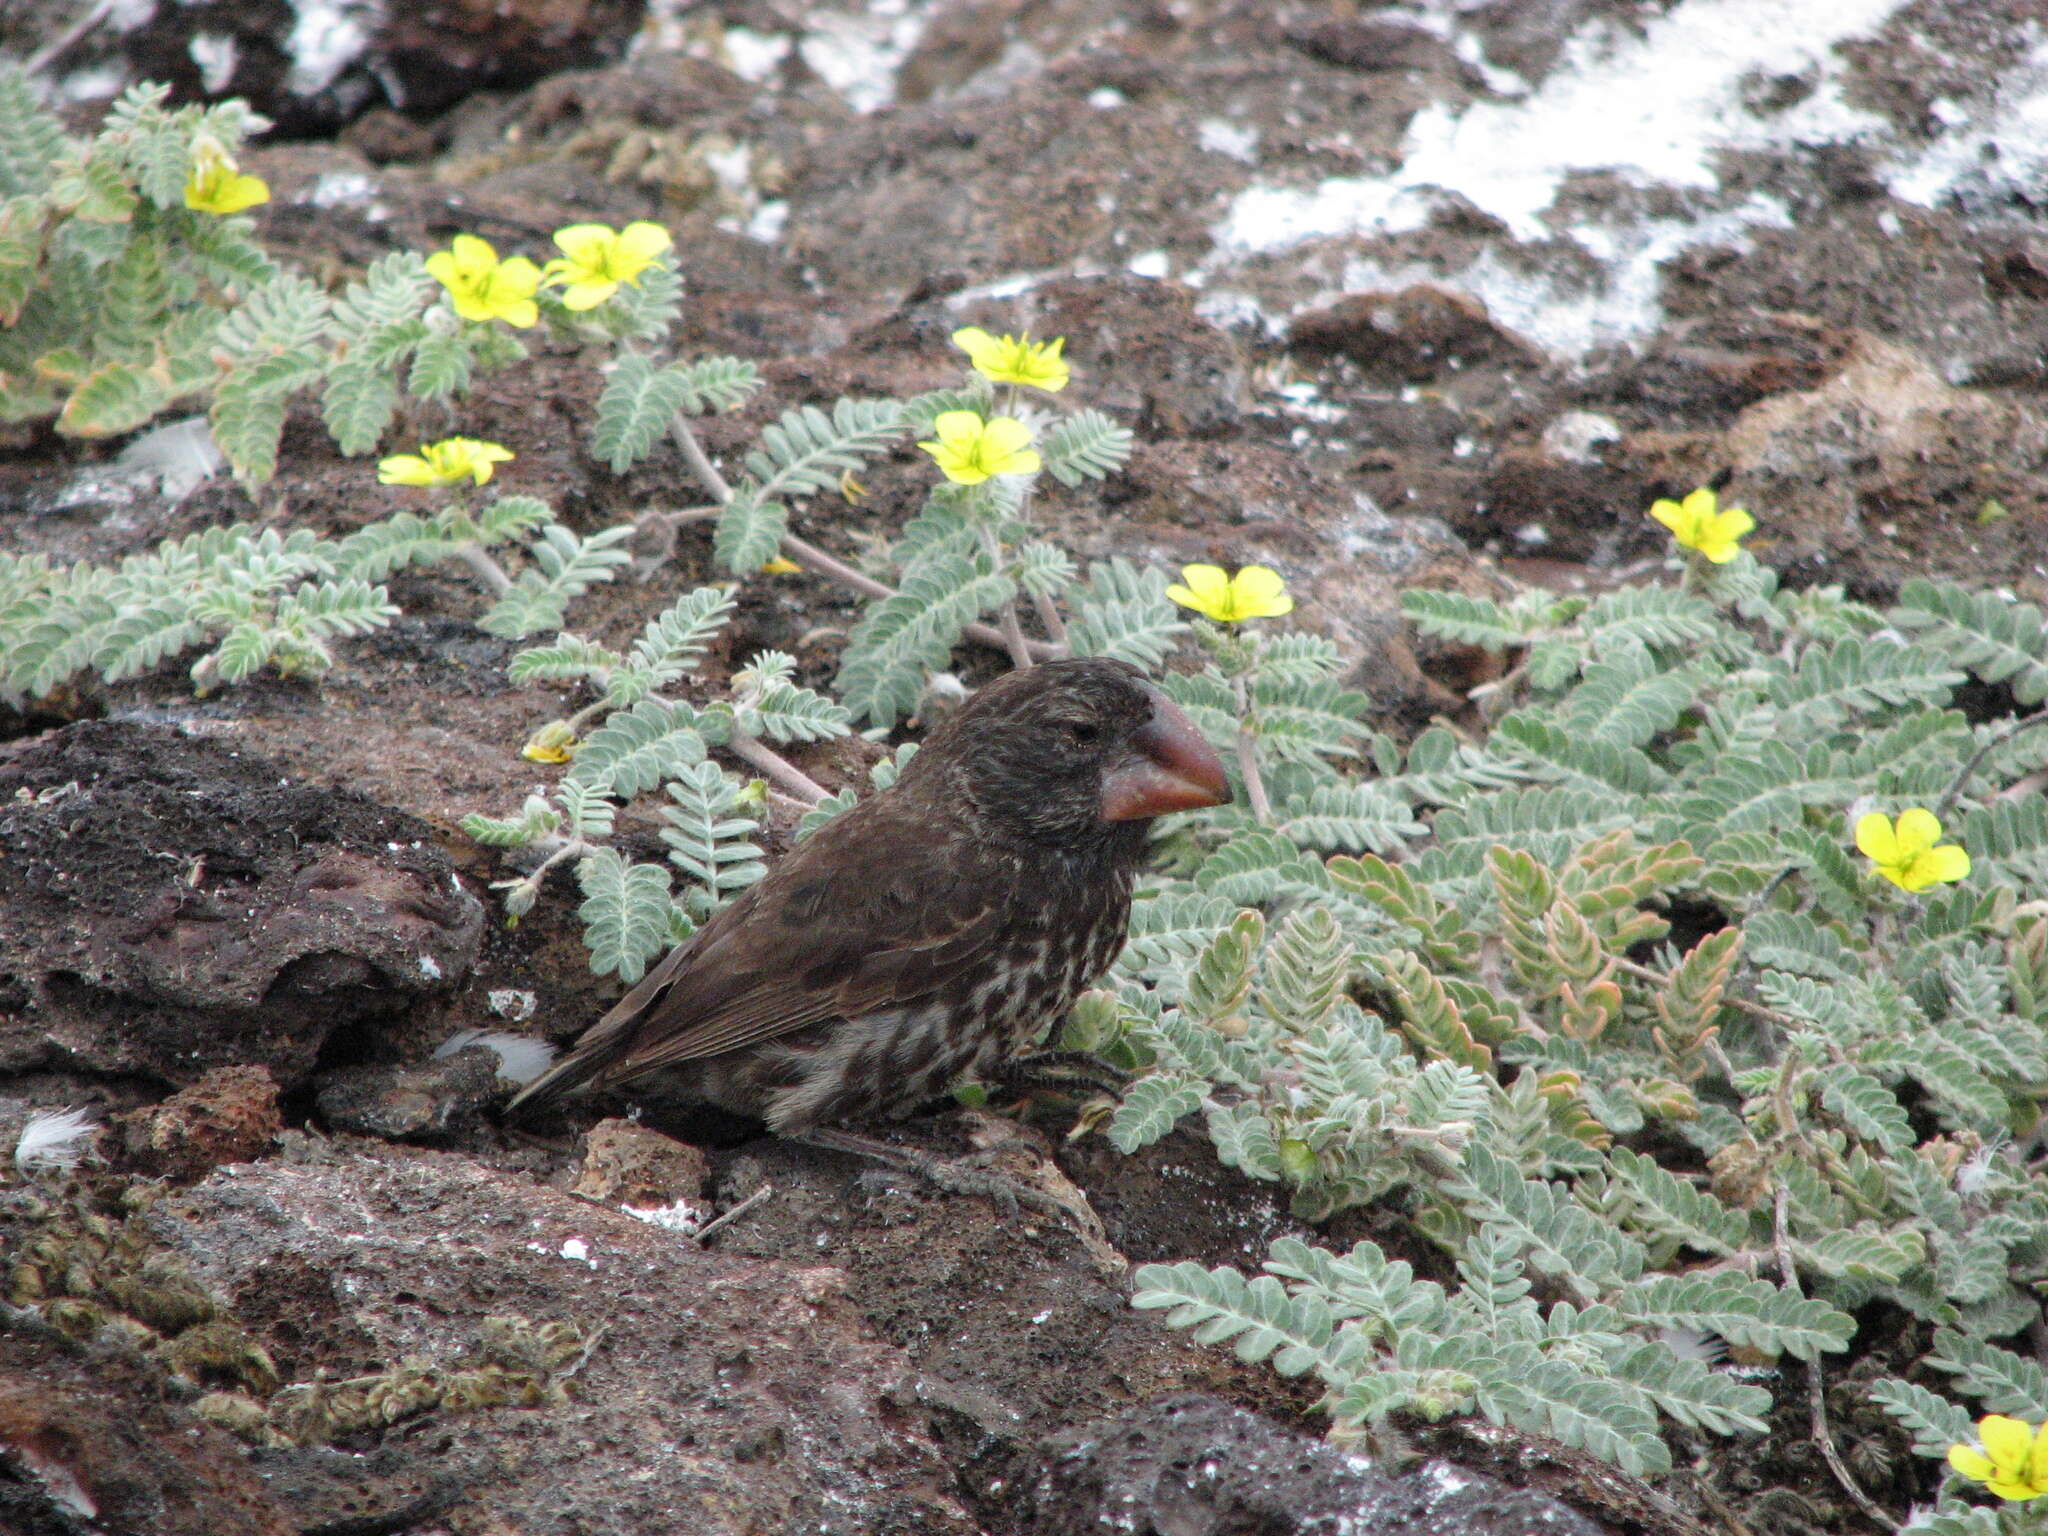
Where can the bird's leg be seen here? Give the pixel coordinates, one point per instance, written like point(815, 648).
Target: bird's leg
point(952, 1176)
point(1057, 1072)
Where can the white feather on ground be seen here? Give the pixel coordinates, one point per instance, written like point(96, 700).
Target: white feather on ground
point(53, 1140)
point(521, 1058)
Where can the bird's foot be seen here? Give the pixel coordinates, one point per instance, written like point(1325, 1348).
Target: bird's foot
point(948, 1175)
point(1057, 1072)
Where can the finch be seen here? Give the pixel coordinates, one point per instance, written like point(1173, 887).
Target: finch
point(932, 930)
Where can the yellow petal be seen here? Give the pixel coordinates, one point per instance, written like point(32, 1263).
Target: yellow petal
point(778, 566)
point(2007, 1441)
point(1258, 592)
point(2036, 1470)
point(1733, 523)
point(1972, 1463)
point(1948, 862)
point(642, 241)
point(519, 313)
point(218, 188)
point(1670, 514)
point(584, 244)
point(1918, 831)
point(957, 429)
point(975, 342)
point(1210, 583)
point(1006, 435)
point(587, 295)
point(405, 469)
point(2012, 1488)
point(1699, 506)
point(472, 254)
point(517, 275)
point(1875, 838)
point(1049, 371)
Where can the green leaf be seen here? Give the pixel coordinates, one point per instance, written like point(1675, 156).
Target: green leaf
point(112, 399)
point(625, 913)
point(1151, 1107)
point(635, 749)
point(1085, 446)
point(1257, 1316)
point(749, 532)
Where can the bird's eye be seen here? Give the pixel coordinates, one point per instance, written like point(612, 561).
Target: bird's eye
point(1084, 732)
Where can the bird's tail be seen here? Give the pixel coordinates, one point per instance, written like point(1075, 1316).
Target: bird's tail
point(569, 1075)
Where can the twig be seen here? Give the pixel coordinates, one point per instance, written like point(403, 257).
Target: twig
point(64, 41)
point(751, 749)
point(1955, 788)
point(1816, 1385)
point(582, 1359)
point(746, 1205)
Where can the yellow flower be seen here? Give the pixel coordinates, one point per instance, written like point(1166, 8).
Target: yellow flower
point(2013, 1459)
point(447, 462)
point(595, 259)
point(486, 287)
point(1906, 854)
point(970, 450)
point(1697, 524)
point(778, 566)
point(483, 287)
point(1014, 359)
point(215, 186)
point(554, 742)
point(1256, 592)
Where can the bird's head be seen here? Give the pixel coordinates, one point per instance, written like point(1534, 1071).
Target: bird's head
point(1069, 750)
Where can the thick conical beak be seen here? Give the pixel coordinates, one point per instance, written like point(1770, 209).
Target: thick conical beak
point(1171, 767)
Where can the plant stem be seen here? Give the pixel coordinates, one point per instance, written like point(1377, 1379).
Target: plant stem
point(805, 553)
point(484, 567)
point(64, 41)
point(1248, 759)
point(1049, 616)
point(1955, 788)
point(1013, 630)
point(1728, 999)
point(700, 462)
point(755, 752)
point(1816, 1385)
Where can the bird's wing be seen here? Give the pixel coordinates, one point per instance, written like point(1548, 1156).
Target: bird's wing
point(834, 932)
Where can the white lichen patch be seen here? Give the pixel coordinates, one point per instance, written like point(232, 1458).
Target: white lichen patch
point(680, 1217)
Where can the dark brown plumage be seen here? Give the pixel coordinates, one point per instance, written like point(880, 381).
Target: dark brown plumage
point(933, 928)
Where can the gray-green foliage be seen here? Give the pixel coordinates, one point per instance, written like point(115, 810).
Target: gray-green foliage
point(647, 739)
point(112, 291)
point(117, 302)
point(249, 598)
point(1478, 1013)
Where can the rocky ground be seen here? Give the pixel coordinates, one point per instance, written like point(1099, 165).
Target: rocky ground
point(1435, 294)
